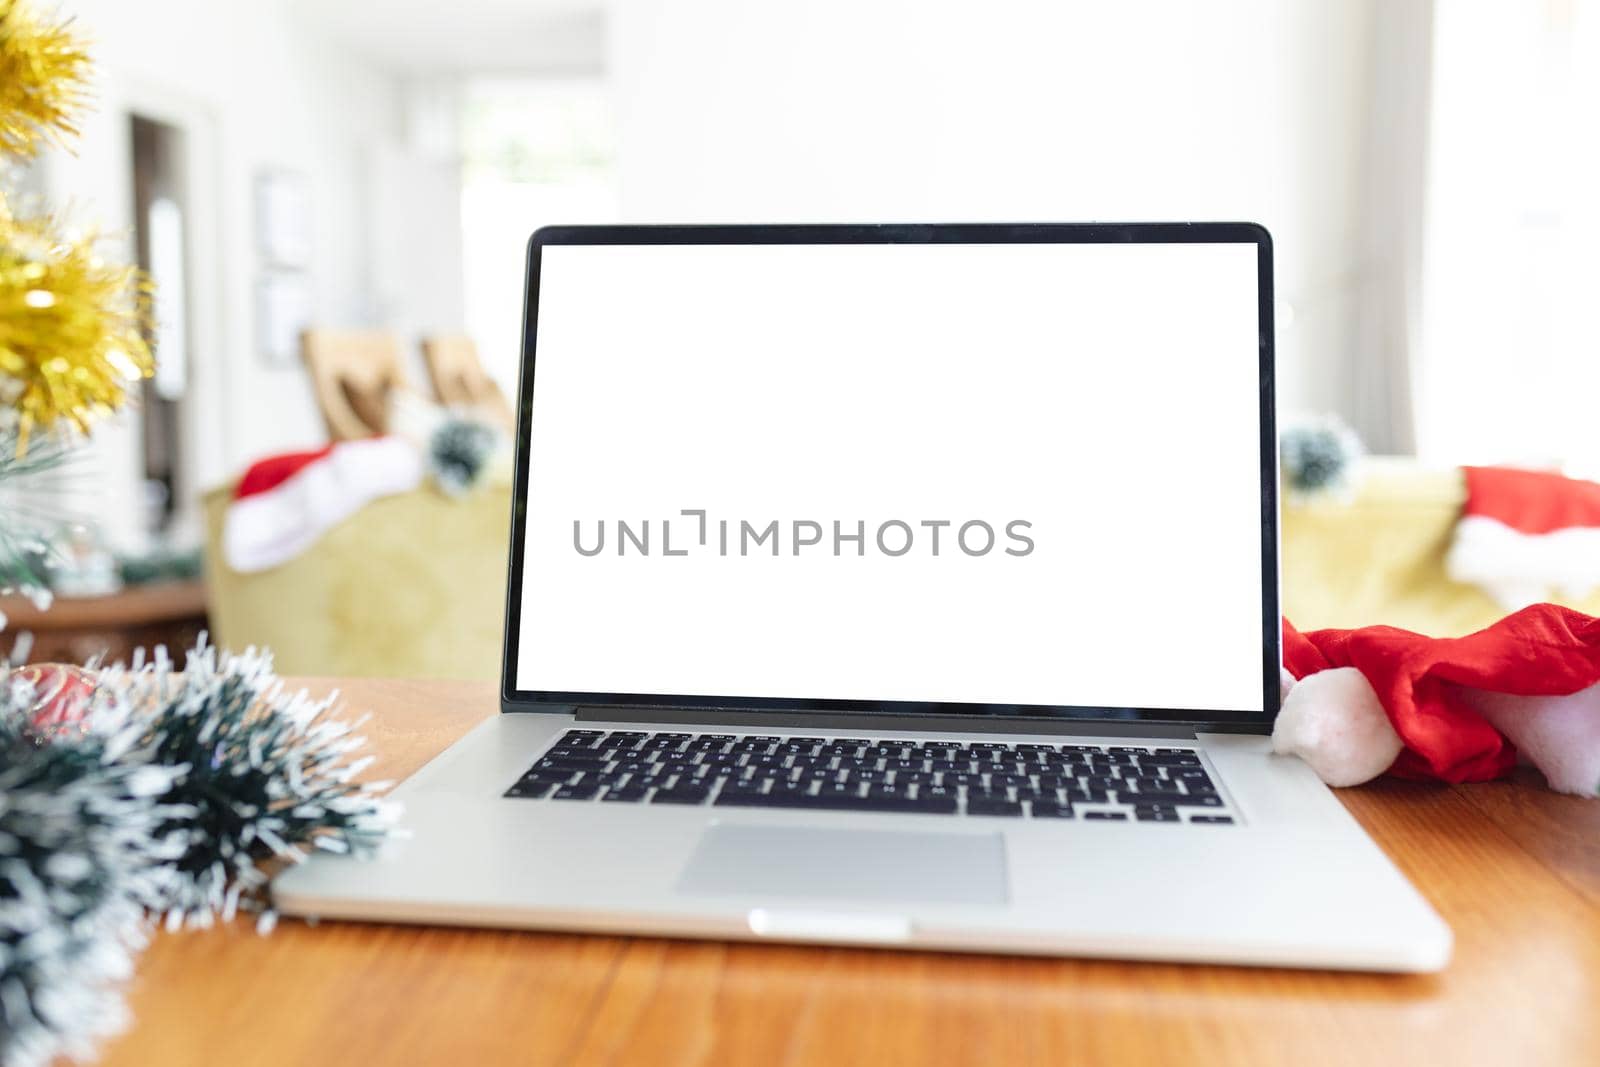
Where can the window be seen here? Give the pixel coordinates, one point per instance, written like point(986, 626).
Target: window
point(536, 153)
point(1511, 264)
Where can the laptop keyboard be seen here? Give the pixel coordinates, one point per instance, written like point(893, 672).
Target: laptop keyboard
point(1039, 781)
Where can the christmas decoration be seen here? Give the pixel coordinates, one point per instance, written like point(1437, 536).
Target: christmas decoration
point(44, 73)
point(267, 776)
point(284, 503)
point(61, 698)
point(1524, 533)
point(1317, 455)
point(1447, 709)
point(141, 791)
point(72, 327)
point(29, 517)
point(82, 855)
point(459, 453)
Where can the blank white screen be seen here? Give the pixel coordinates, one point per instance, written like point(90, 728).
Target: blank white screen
point(1106, 394)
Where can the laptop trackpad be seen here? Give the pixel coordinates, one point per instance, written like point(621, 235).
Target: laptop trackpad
point(876, 866)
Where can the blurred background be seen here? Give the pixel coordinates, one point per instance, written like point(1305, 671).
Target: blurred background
point(369, 170)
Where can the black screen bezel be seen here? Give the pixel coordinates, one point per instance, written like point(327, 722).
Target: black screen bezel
point(1024, 715)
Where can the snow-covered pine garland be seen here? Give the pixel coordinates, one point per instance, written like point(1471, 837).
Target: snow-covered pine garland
point(164, 794)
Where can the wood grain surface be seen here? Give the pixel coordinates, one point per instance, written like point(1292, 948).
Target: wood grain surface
point(1513, 868)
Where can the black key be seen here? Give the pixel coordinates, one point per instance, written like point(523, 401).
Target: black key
point(1217, 819)
point(1051, 809)
point(1085, 796)
point(1127, 748)
point(992, 806)
point(1097, 782)
point(804, 740)
point(1145, 815)
point(624, 796)
point(997, 780)
point(1081, 748)
point(680, 796)
point(1147, 787)
point(1036, 748)
point(531, 790)
point(939, 744)
point(1199, 785)
point(1182, 759)
point(987, 746)
point(569, 763)
point(575, 792)
point(935, 792)
point(1108, 816)
point(1207, 800)
point(1141, 808)
point(1173, 751)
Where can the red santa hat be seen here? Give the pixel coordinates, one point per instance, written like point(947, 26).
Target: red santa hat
point(1524, 534)
point(284, 503)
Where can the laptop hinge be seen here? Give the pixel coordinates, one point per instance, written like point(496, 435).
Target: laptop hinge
point(812, 720)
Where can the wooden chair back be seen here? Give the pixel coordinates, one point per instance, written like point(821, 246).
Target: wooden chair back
point(459, 380)
point(353, 373)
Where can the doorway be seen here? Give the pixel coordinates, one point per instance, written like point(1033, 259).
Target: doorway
point(161, 213)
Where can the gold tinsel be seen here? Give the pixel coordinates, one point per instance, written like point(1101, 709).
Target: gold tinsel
point(44, 72)
point(73, 326)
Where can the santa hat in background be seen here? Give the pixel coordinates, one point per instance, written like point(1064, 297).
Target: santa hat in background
point(284, 503)
point(1524, 534)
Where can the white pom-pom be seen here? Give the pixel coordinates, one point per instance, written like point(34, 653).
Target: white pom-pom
point(1334, 721)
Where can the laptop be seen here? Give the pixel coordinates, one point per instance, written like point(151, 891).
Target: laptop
point(900, 585)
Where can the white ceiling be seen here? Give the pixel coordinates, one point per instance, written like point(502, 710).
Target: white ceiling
point(467, 36)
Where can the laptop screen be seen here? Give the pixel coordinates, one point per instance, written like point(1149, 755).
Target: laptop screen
point(999, 477)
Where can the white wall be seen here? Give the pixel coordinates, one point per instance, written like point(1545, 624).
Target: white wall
point(256, 90)
point(766, 110)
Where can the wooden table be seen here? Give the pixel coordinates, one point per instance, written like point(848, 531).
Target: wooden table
point(1513, 868)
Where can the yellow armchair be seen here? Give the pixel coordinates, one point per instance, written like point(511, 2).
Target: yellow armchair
point(412, 585)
